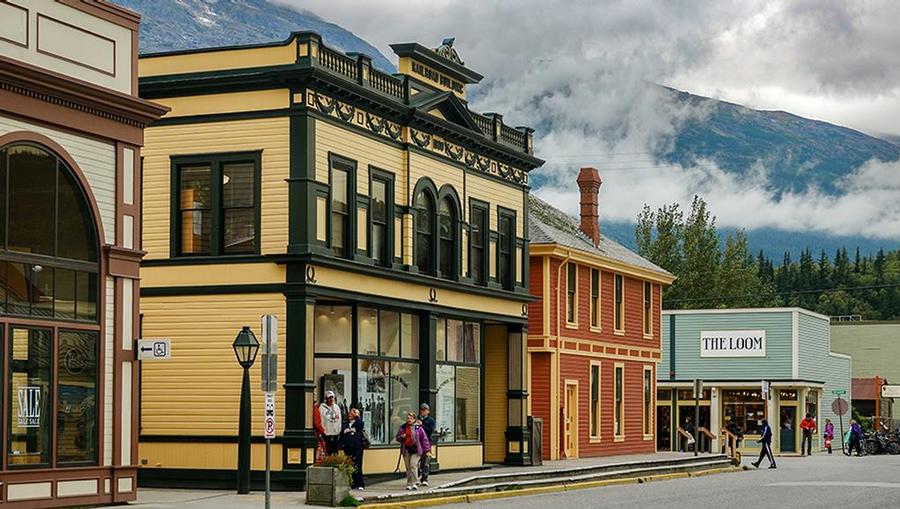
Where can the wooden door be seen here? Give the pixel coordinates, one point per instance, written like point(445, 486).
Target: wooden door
point(571, 420)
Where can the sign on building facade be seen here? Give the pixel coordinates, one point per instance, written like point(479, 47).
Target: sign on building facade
point(738, 343)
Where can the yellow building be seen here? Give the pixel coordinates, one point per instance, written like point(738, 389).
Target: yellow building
point(379, 218)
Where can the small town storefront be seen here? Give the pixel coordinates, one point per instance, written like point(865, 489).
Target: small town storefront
point(71, 129)
point(755, 365)
point(744, 404)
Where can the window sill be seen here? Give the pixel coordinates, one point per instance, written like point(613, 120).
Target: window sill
point(648, 437)
point(573, 326)
point(619, 332)
point(648, 336)
point(595, 440)
point(619, 438)
point(596, 329)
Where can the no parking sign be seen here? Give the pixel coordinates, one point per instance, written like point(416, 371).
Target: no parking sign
point(269, 423)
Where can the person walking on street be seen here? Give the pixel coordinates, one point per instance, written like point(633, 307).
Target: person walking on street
point(691, 439)
point(413, 444)
point(427, 423)
point(765, 441)
point(808, 427)
point(829, 434)
point(353, 441)
point(331, 422)
point(856, 435)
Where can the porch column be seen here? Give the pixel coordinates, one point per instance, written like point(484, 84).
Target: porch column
point(518, 435)
point(299, 438)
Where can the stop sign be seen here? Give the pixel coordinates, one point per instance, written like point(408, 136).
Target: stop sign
point(840, 406)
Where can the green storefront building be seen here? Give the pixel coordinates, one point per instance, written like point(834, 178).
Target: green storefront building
point(755, 364)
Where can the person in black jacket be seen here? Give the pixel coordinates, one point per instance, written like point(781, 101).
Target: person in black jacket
point(428, 426)
point(766, 442)
point(352, 442)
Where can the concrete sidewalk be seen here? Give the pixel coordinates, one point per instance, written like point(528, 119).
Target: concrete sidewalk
point(152, 498)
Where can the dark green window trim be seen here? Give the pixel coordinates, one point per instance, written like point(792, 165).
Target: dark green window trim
point(350, 240)
point(448, 194)
point(387, 178)
point(215, 161)
point(485, 255)
point(509, 248)
point(425, 185)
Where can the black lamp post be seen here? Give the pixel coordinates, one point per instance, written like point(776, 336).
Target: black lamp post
point(245, 348)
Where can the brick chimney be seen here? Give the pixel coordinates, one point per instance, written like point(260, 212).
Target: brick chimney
point(589, 184)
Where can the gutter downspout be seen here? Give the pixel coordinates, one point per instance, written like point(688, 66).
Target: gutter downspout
point(562, 411)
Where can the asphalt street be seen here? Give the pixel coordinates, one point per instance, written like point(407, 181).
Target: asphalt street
point(813, 482)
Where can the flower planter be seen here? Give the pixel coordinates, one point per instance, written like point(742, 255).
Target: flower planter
point(326, 486)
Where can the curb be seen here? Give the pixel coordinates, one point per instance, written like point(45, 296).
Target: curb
point(513, 492)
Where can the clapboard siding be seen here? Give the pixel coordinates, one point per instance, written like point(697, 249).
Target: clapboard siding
point(775, 365)
point(196, 392)
point(97, 160)
point(540, 396)
point(362, 149)
point(270, 135)
point(816, 362)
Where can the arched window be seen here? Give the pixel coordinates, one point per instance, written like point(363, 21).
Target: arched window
point(49, 272)
point(424, 205)
point(48, 240)
point(448, 237)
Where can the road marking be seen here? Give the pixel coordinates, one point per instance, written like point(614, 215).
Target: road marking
point(840, 484)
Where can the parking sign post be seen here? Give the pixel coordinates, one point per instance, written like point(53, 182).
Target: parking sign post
point(269, 386)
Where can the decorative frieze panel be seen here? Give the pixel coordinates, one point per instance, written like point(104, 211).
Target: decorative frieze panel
point(471, 159)
point(381, 126)
point(352, 115)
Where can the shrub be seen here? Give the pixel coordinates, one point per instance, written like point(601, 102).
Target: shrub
point(342, 462)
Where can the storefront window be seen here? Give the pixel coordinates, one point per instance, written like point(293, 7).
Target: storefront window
point(746, 408)
point(334, 375)
point(787, 395)
point(688, 395)
point(334, 329)
point(812, 404)
point(30, 354)
point(372, 387)
point(458, 409)
point(76, 422)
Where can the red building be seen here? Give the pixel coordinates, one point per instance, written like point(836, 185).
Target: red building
point(594, 336)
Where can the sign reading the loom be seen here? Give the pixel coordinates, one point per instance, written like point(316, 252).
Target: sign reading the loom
point(737, 343)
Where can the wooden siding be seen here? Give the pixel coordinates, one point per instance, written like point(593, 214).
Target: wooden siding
point(874, 346)
point(362, 149)
point(271, 135)
point(497, 194)
point(689, 365)
point(816, 362)
point(495, 386)
point(197, 392)
point(633, 301)
point(540, 395)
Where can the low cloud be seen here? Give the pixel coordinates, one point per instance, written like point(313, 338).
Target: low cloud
point(584, 73)
point(869, 206)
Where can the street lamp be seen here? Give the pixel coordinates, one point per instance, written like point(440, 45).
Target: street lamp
point(245, 348)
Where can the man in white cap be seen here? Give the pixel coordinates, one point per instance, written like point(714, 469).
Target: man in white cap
point(330, 413)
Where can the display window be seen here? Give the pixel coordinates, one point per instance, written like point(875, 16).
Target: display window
point(745, 407)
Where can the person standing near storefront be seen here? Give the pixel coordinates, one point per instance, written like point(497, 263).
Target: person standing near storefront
point(353, 441)
point(829, 434)
point(427, 423)
point(808, 427)
point(413, 444)
point(855, 438)
point(765, 441)
point(330, 413)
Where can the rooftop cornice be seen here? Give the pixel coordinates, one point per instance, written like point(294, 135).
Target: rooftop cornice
point(430, 57)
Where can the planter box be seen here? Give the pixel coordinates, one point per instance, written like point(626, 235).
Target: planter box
point(326, 486)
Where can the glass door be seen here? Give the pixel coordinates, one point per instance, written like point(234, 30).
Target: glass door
point(788, 428)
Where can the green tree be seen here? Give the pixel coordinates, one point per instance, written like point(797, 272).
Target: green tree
point(701, 254)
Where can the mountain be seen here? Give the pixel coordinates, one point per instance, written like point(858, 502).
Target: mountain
point(168, 25)
point(798, 152)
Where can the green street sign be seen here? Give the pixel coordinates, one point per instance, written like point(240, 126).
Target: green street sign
point(839, 392)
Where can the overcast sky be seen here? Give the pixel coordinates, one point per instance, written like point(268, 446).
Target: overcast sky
point(583, 68)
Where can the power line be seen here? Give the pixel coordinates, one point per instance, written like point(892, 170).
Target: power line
point(788, 292)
